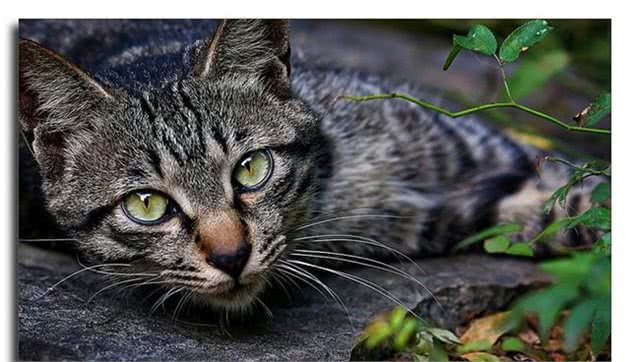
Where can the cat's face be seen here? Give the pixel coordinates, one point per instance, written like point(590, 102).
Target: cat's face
point(199, 183)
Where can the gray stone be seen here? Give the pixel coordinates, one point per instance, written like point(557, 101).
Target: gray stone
point(62, 325)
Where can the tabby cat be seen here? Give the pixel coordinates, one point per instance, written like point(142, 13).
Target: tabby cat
point(251, 164)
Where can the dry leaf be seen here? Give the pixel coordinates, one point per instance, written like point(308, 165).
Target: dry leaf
point(480, 356)
point(489, 328)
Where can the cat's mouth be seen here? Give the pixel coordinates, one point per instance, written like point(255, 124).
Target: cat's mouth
point(232, 293)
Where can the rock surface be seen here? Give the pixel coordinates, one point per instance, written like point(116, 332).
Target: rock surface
point(63, 325)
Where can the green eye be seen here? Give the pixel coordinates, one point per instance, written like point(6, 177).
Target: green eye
point(145, 207)
point(253, 169)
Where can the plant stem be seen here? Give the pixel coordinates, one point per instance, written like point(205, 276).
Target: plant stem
point(510, 104)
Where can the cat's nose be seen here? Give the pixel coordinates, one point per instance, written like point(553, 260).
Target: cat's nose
point(232, 263)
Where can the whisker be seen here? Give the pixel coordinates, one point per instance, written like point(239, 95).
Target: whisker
point(306, 226)
point(51, 288)
point(360, 240)
point(267, 310)
point(111, 286)
point(362, 281)
point(309, 276)
point(330, 255)
point(116, 273)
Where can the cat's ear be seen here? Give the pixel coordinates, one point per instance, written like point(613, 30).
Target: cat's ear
point(256, 46)
point(56, 99)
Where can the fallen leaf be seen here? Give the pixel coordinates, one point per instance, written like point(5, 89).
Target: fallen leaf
point(489, 328)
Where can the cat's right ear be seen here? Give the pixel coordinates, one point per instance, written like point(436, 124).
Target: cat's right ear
point(56, 99)
point(53, 91)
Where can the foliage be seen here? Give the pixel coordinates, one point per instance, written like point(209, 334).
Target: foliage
point(578, 301)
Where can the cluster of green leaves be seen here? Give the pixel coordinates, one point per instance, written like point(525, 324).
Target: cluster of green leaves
point(583, 285)
point(405, 333)
point(481, 40)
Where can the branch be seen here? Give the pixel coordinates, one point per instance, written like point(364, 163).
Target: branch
point(511, 104)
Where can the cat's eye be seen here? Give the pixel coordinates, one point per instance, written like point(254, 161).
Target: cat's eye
point(146, 207)
point(253, 170)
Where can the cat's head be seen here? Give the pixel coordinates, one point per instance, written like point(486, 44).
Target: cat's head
point(200, 182)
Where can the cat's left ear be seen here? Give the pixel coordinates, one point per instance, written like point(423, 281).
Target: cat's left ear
point(259, 47)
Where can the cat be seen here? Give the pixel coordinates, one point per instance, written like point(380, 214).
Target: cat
point(251, 164)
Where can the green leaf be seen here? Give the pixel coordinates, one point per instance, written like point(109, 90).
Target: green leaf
point(444, 335)
point(438, 353)
point(396, 318)
point(601, 193)
point(378, 333)
point(601, 326)
point(534, 72)
point(522, 38)
point(520, 249)
point(595, 111)
point(573, 269)
point(596, 218)
point(404, 335)
point(577, 323)
point(474, 346)
point(479, 39)
point(496, 230)
point(603, 245)
point(513, 344)
point(546, 304)
point(451, 56)
point(552, 228)
point(497, 244)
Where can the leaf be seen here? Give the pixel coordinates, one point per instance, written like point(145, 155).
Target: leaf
point(444, 335)
point(396, 318)
point(404, 335)
point(480, 357)
point(552, 228)
point(438, 353)
point(596, 218)
point(546, 304)
point(595, 111)
point(479, 39)
point(534, 72)
point(377, 333)
point(489, 328)
point(451, 56)
point(474, 346)
point(522, 38)
point(603, 245)
point(498, 244)
point(601, 326)
point(577, 323)
point(520, 249)
point(574, 269)
point(513, 344)
point(496, 230)
point(601, 192)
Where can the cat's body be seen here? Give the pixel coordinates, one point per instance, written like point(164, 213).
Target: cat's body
point(345, 174)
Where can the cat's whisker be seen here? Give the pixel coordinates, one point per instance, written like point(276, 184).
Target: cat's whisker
point(117, 273)
point(357, 239)
point(337, 218)
point(180, 304)
point(359, 260)
point(160, 302)
point(295, 269)
point(361, 281)
point(89, 268)
point(112, 286)
point(268, 311)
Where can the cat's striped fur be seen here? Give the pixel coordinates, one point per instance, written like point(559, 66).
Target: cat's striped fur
point(347, 176)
